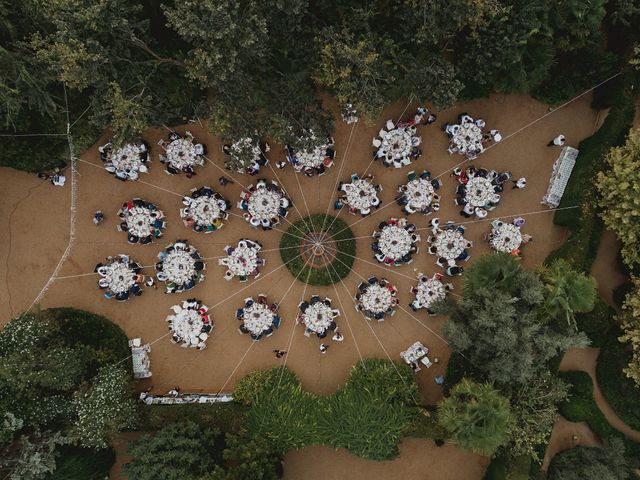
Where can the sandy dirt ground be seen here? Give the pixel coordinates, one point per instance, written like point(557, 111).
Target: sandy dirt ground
point(566, 435)
point(418, 460)
point(606, 268)
point(35, 221)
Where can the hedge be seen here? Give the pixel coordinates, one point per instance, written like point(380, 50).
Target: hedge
point(620, 391)
point(368, 416)
point(290, 245)
point(228, 417)
point(76, 463)
point(581, 407)
point(597, 323)
point(585, 224)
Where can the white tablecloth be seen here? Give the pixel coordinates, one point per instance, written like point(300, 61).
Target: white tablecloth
point(361, 194)
point(414, 353)
point(181, 153)
point(258, 318)
point(242, 261)
point(179, 267)
point(376, 299)
point(318, 317)
point(450, 244)
point(120, 277)
point(127, 157)
point(139, 221)
point(264, 204)
point(506, 238)
point(419, 193)
point(429, 292)
point(479, 191)
point(394, 242)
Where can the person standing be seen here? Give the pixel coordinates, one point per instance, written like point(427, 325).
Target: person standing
point(557, 142)
point(98, 217)
point(323, 348)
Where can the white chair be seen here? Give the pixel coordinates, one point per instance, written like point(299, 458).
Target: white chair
point(203, 336)
point(426, 362)
point(390, 125)
point(135, 342)
point(176, 308)
point(377, 142)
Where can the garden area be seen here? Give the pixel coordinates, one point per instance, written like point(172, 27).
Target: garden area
point(413, 323)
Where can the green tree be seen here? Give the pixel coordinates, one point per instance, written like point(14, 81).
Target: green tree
point(433, 79)
point(630, 318)
point(105, 406)
point(499, 326)
point(477, 416)
point(590, 463)
point(619, 188)
point(534, 407)
point(356, 69)
point(567, 292)
point(179, 451)
point(576, 22)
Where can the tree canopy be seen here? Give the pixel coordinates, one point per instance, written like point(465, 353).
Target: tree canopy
point(477, 416)
point(589, 463)
point(499, 323)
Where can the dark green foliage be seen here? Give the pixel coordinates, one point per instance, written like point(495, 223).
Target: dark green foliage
point(581, 407)
point(345, 254)
point(503, 467)
point(584, 222)
point(499, 325)
point(76, 463)
point(590, 463)
point(620, 391)
point(596, 323)
point(227, 417)
point(180, 451)
point(574, 73)
point(367, 416)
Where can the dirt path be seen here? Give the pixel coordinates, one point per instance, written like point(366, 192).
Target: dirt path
point(121, 444)
point(418, 460)
point(566, 435)
point(605, 268)
point(585, 360)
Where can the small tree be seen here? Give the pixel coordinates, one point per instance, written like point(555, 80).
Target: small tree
point(619, 187)
point(477, 416)
point(567, 292)
point(180, 451)
point(589, 463)
point(631, 327)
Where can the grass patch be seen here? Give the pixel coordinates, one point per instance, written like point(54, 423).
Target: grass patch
point(620, 392)
point(290, 244)
point(581, 407)
point(368, 416)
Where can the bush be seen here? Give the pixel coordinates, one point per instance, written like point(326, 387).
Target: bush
point(620, 391)
point(503, 467)
point(596, 323)
point(581, 407)
point(367, 416)
point(290, 245)
point(585, 225)
point(573, 73)
point(228, 417)
point(76, 463)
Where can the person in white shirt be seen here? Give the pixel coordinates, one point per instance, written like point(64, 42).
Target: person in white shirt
point(481, 212)
point(338, 337)
point(557, 142)
point(495, 135)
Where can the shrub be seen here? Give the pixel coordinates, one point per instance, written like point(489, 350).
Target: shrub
point(75, 463)
point(581, 407)
point(367, 416)
point(620, 391)
point(596, 323)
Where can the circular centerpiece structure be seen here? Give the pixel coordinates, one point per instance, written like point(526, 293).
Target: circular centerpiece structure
point(318, 250)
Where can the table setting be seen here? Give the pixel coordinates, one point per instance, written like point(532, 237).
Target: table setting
point(414, 353)
point(428, 291)
point(376, 299)
point(141, 220)
point(190, 324)
point(119, 277)
point(312, 161)
point(419, 193)
point(505, 237)
point(126, 162)
point(242, 260)
point(180, 267)
point(205, 211)
point(396, 146)
point(264, 204)
point(466, 138)
point(479, 191)
point(258, 318)
point(360, 194)
point(318, 316)
point(449, 244)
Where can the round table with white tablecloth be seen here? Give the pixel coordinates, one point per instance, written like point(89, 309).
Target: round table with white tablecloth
point(479, 191)
point(361, 194)
point(419, 193)
point(506, 237)
point(449, 244)
point(429, 290)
